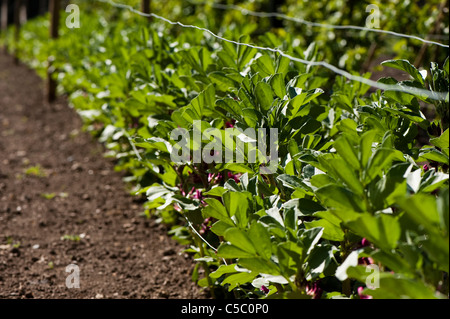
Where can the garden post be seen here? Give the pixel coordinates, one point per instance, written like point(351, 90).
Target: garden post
point(54, 8)
point(23, 12)
point(145, 7)
point(4, 19)
point(17, 9)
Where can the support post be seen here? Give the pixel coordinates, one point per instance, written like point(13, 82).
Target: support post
point(23, 13)
point(4, 20)
point(54, 8)
point(145, 7)
point(43, 7)
point(17, 9)
point(4, 16)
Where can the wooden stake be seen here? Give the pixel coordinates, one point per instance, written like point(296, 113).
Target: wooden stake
point(23, 15)
point(4, 16)
point(54, 8)
point(42, 7)
point(145, 7)
point(4, 20)
point(17, 6)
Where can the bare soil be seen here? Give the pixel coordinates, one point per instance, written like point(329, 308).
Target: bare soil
point(62, 203)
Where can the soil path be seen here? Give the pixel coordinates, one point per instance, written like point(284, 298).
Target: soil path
point(75, 211)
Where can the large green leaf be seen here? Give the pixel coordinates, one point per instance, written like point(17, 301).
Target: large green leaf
point(264, 95)
point(278, 86)
point(293, 182)
point(348, 152)
point(238, 279)
point(217, 210)
point(260, 265)
point(240, 239)
point(432, 154)
point(393, 286)
point(378, 163)
point(406, 66)
point(223, 83)
point(383, 230)
point(335, 196)
point(423, 211)
point(230, 251)
point(330, 231)
point(238, 204)
point(265, 65)
point(346, 173)
point(384, 192)
point(260, 238)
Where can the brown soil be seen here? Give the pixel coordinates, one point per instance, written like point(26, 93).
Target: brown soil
point(119, 253)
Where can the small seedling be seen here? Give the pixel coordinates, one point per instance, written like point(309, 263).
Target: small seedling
point(74, 238)
point(48, 195)
point(36, 170)
point(53, 195)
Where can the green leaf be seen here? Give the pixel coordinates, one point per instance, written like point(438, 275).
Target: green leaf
point(393, 286)
point(251, 116)
point(245, 53)
point(338, 197)
point(223, 83)
point(264, 96)
point(303, 206)
point(348, 152)
point(378, 162)
point(260, 265)
point(205, 100)
point(309, 239)
point(217, 210)
point(321, 180)
point(240, 239)
point(230, 251)
point(283, 65)
point(384, 192)
point(220, 227)
point(422, 209)
point(432, 180)
point(231, 106)
point(442, 141)
point(396, 261)
point(300, 99)
point(265, 66)
point(289, 254)
point(226, 59)
point(239, 279)
point(432, 154)
point(238, 204)
point(238, 168)
point(383, 230)
point(406, 66)
point(293, 182)
point(278, 86)
point(318, 260)
point(260, 238)
point(443, 209)
point(275, 215)
point(343, 102)
point(349, 126)
point(345, 173)
point(216, 191)
point(365, 146)
point(330, 231)
point(222, 270)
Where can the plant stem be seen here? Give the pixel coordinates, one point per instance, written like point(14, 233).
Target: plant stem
point(204, 264)
point(346, 284)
